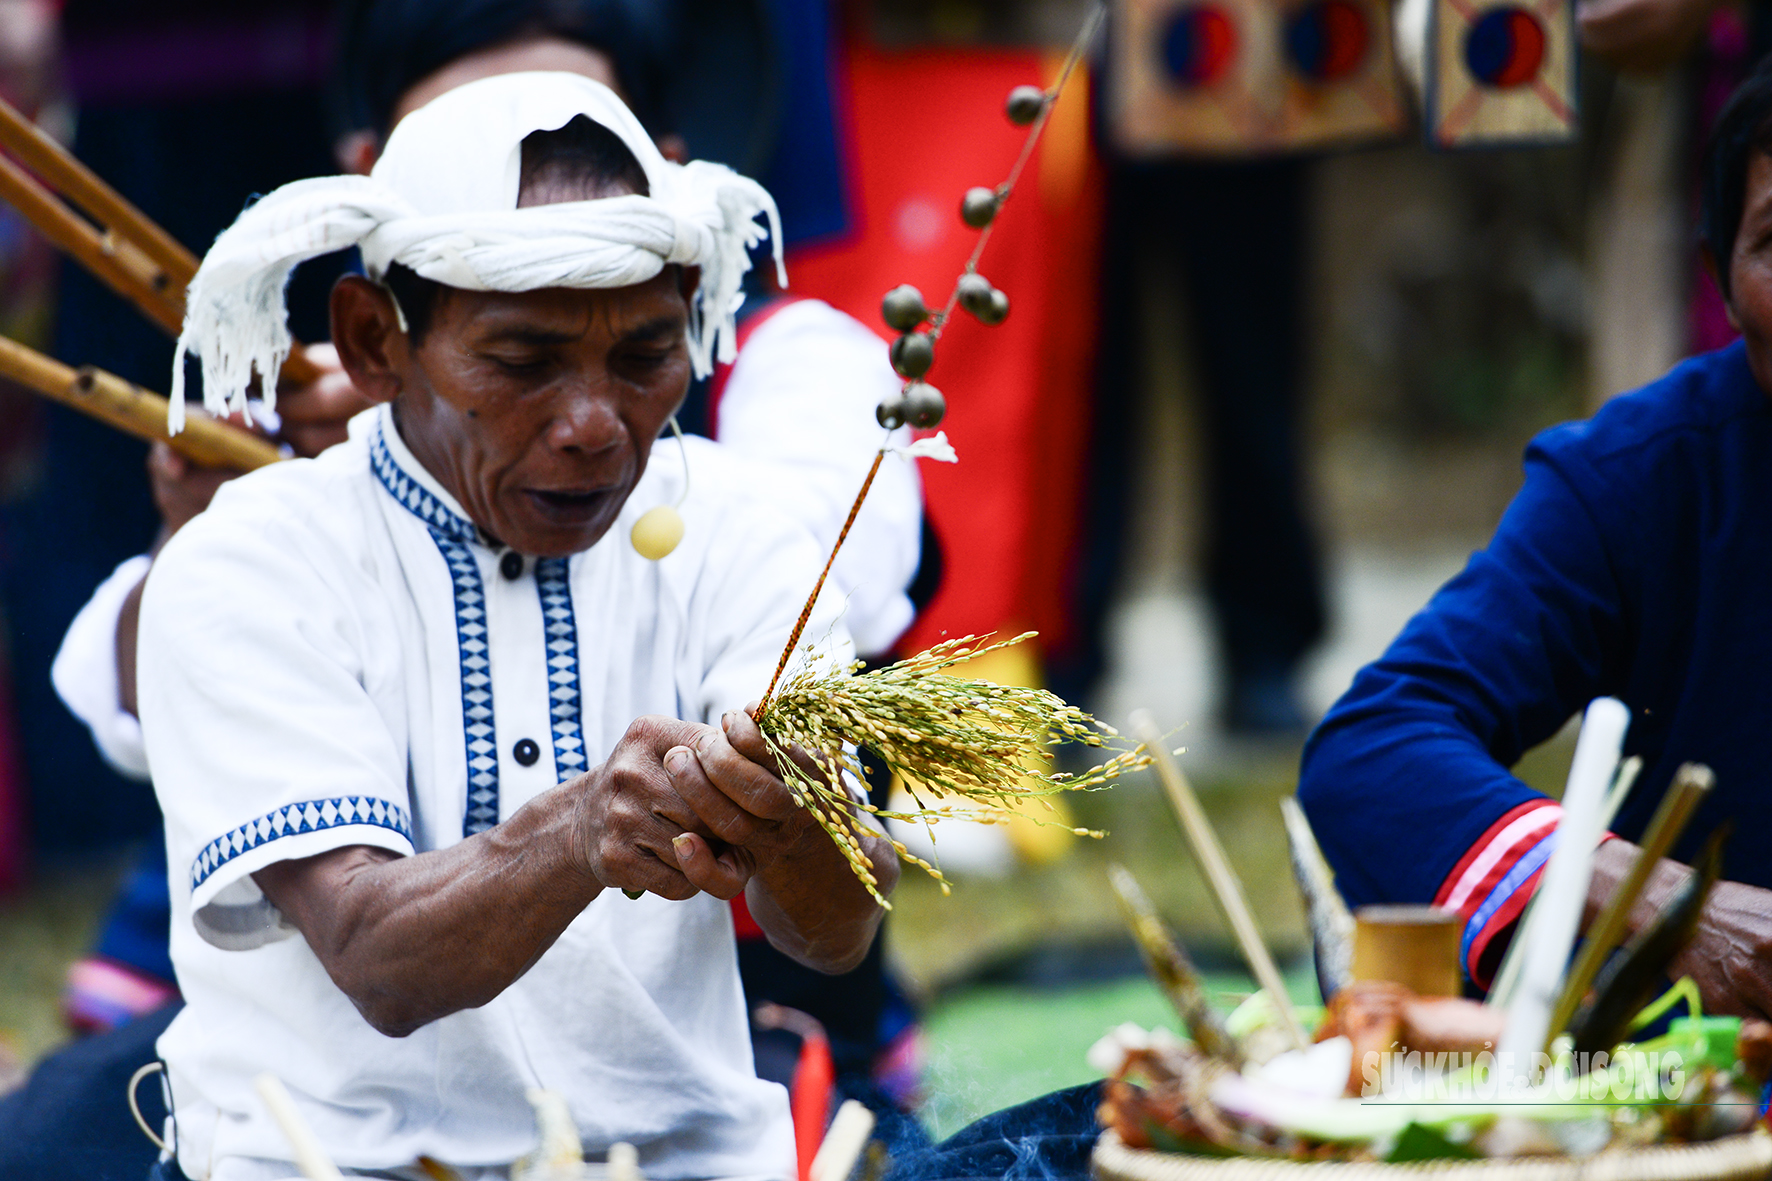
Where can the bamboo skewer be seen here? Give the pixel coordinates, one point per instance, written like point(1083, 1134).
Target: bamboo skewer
point(1692, 783)
point(310, 1157)
point(125, 249)
point(1226, 889)
point(126, 406)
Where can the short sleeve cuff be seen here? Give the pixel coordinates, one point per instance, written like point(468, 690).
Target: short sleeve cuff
point(294, 831)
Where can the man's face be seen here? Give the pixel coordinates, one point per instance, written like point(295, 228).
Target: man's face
point(1750, 270)
point(538, 410)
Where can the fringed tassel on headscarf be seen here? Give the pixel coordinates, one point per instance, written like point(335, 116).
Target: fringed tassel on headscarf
point(236, 321)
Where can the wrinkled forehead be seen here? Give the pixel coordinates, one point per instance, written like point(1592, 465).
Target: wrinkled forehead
point(653, 309)
point(462, 152)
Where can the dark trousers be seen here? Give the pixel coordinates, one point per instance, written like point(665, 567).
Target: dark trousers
point(71, 1122)
point(1236, 235)
point(1044, 1139)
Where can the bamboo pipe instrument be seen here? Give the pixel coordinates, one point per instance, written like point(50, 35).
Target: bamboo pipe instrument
point(61, 171)
point(126, 406)
point(132, 255)
point(1226, 889)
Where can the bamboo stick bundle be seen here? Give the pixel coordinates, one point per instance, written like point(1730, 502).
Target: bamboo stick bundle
point(118, 243)
point(126, 406)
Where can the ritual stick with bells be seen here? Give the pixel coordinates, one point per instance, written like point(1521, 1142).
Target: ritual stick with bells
point(964, 749)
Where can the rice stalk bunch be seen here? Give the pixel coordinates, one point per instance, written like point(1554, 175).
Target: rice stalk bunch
point(964, 749)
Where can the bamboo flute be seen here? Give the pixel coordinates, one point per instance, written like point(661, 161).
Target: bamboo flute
point(126, 406)
point(62, 172)
point(126, 250)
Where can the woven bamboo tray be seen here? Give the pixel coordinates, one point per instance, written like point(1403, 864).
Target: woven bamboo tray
point(1734, 1158)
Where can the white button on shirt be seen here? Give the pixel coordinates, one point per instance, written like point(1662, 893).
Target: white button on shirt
point(328, 657)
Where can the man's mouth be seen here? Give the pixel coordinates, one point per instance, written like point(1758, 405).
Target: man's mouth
point(570, 506)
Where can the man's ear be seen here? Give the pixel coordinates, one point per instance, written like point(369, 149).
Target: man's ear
point(372, 346)
point(1708, 259)
point(688, 280)
point(357, 151)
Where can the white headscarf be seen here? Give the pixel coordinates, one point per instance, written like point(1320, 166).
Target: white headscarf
point(442, 200)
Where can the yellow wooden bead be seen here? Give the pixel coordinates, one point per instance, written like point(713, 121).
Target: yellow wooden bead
point(657, 532)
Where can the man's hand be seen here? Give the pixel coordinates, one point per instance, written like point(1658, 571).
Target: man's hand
point(314, 416)
point(636, 830)
point(1730, 958)
point(801, 890)
point(182, 489)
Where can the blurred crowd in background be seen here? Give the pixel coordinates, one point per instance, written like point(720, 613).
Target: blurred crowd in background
point(1226, 381)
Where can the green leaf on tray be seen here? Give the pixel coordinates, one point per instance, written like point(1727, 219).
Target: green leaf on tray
point(1417, 1142)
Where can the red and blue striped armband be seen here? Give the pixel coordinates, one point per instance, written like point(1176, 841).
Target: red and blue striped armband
point(1494, 880)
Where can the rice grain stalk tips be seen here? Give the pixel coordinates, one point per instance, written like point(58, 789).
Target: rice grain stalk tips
point(964, 749)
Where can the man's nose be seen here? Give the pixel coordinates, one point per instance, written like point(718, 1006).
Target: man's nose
point(585, 421)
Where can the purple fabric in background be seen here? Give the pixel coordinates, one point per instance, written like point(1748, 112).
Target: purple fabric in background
point(194, 56)
point(1723, 61)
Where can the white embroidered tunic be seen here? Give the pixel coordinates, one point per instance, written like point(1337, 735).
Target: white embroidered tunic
point(330, 656)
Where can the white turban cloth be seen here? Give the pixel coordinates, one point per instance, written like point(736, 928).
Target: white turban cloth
point(442, 200)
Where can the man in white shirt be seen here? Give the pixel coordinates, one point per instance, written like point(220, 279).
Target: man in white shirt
point(795, 407)
point(390, 695)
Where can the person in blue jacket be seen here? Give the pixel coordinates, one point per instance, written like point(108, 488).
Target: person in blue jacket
point(1636, 562)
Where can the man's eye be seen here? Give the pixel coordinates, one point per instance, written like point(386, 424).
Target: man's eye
point(650, 358)
point(519, 364)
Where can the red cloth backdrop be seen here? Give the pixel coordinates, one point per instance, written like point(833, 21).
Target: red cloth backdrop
point(922, 127)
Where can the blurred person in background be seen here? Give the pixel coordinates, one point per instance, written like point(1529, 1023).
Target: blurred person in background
point(1634, 564)
point(1235, 234)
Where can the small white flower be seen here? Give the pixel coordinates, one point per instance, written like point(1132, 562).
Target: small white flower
point(935, 447)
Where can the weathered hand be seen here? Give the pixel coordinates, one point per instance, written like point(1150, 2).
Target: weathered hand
point(1730, 959)
point(634, 827)
point(728, 776)
point(314, 416)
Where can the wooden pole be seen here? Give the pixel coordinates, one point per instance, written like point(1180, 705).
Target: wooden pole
point(130, 408)
point(1226, 889)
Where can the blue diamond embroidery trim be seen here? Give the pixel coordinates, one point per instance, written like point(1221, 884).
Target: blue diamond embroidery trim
point(288, 821)
point(476, 684)
point(454, 535)
point(413, 496)
point(564, 710)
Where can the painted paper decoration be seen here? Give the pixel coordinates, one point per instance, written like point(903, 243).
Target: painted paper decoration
point(1500, 73)
point(1251, 77)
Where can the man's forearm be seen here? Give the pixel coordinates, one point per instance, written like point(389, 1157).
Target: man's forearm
point(413, 939)
point(813, 909)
